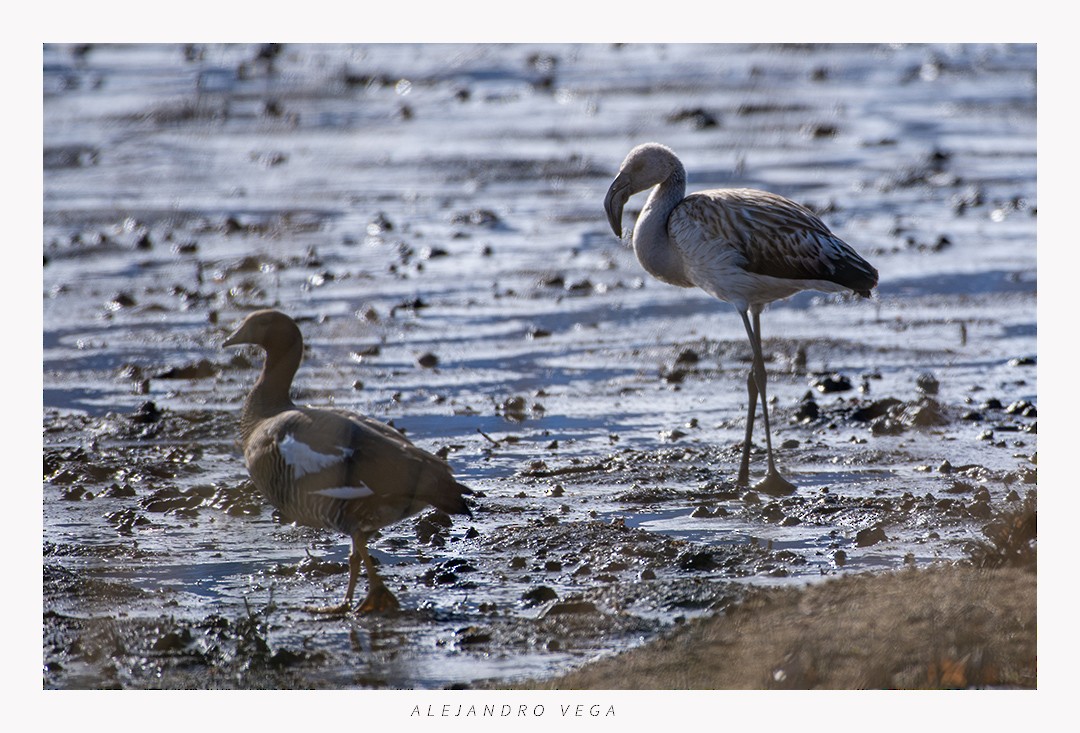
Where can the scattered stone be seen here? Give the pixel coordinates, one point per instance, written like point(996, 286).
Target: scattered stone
point(476, 217)
point(697, 561)
point(808, 409)
point(148, 412)
point(471, 635)
point(538, 595)
point(698, 117)
point(927, 413)
point(870, 536)
point(512, 408)
point(673, 376)
point(202, 369)
point(832, 383)
point(927, 383)
point(120, 300)
point(687, 356)
point(1022, 408)
point(876, 409)
point(772, 512)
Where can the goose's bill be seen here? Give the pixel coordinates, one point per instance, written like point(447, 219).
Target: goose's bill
point(617, 196)
point(236, 338)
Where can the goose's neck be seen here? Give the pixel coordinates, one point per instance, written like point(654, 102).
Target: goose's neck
point(652, 242)
point(270, 395)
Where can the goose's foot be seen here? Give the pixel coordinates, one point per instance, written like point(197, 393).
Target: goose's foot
point(379, 600)
point(775, 485)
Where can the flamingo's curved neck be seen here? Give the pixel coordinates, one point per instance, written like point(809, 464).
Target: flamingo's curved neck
point(652, 241)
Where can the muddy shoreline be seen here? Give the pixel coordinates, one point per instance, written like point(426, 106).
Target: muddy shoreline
point(432, 218)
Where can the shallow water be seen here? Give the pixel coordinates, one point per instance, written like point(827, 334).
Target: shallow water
point(448, 200)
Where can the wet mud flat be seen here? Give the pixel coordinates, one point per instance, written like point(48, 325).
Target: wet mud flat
point(432, 218)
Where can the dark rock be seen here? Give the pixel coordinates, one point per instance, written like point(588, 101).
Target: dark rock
point(173, 641)
point(875, 409)
point(870, 536)
point(471, 636)
point(148, 412)
point(959, 487)
point(476, 217)
point(426, 530)
point(808, 409)
point(832, 383)
point(538, 595)
point(202, 369)
point(772, 512)
point(698, 117)
point(1023, 408)
point(687, 356)
point(886, 426)
point(121, 300)
point(674, 376)
point(927, 383)
point(513, 408)
point(697, 561)
point(927, 413)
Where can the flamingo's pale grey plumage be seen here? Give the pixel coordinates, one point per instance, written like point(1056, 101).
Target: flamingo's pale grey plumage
point(743, 246)
point(331, 468)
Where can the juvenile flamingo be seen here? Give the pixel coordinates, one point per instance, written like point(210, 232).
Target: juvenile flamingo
point(743, 246)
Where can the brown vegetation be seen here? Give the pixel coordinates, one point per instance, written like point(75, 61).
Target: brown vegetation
point(941, 627)
point(945, 627)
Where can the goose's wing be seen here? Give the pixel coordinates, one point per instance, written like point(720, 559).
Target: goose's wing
point(329, 454)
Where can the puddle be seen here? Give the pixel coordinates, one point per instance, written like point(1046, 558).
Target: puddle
point(445, 202)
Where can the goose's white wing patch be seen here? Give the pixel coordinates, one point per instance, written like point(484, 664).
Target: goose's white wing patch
point(346, 492)
point(303, 459)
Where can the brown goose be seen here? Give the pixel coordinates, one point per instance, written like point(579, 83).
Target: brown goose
point(331, 468)
point(743, 246)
